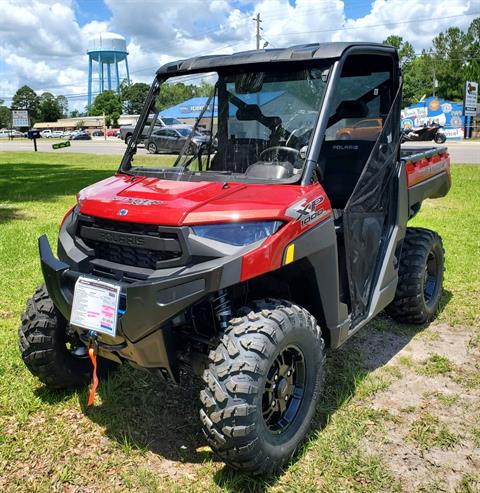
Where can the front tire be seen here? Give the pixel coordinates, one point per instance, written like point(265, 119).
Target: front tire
point(440, 138)
point(262, 386)
point(152, 148)
point(420, 277)
point(46, 349)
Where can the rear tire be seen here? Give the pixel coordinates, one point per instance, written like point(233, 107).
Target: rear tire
point(262, 386)
point(420, 277)
point(43, 346)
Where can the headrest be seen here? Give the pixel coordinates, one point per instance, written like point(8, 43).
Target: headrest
point(252, 112)
point(353, 108)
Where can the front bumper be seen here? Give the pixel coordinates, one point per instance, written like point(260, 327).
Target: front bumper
point(143, 335)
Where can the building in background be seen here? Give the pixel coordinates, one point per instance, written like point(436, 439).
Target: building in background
point(446, 113)
point(108, 51)
point(279, 103)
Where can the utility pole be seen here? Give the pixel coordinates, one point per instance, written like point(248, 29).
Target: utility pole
point(258, 36)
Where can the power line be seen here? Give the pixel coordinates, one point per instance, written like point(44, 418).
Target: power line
point(372, 25)
point(259, 37)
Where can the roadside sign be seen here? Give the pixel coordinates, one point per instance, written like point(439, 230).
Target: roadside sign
point(20, 118)
point(34, 135)
point(61, 145)
point(471, 96)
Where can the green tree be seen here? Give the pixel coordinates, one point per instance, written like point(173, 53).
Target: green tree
point(63, 104)
point(49, 108)
point(5, 117)
point(173, 94)
point(26, 98)
point(418, 79)
point(133, 97)
point(449, 59)
point(472, 69)
point(74, 114)
point(412, 87)
point(107, 103)
point(405, 49)
point(115, 117)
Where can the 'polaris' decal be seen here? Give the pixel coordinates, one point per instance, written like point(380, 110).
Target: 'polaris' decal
point(307, 212)
point(137, 201)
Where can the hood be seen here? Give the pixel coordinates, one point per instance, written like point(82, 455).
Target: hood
point(174, 203)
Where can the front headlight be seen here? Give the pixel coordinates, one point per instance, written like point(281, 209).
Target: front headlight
point(238, 234)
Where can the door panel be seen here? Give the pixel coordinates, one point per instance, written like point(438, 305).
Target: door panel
point(368, 215)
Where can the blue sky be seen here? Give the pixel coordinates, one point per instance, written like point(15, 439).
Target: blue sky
point(88, 10)
point(91, 10)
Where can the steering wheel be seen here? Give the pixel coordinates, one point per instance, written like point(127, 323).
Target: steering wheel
point(277, 149)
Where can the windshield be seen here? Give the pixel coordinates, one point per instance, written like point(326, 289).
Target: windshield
point(236, 125)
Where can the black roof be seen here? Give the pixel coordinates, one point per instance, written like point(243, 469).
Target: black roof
point(293, 53)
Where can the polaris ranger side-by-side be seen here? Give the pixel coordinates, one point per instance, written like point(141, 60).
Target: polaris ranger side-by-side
point(247, 259)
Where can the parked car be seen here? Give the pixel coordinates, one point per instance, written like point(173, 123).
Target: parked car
point(367, 129)
point(58, 134)
point(126, 131)
point(81, 136)
point(172, 139)
point(73, 133)
point(47, 133)
point(112, 132)
point(6, 133)
point(98, 133)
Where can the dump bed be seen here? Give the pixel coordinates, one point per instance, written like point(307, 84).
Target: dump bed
point(428, 173)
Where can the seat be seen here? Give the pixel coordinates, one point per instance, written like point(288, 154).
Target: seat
point(340, 165)
point(236, 156)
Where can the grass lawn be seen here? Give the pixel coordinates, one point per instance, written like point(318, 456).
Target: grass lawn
point(143, 436)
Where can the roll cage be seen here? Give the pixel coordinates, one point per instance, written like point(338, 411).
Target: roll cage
point(339, 54)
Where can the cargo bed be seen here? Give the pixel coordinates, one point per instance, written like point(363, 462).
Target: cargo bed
point(428, 174)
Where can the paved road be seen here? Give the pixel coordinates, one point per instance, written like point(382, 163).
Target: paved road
point(95, 146)
point(460, 151)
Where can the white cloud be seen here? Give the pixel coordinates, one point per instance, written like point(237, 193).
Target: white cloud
point(42, 44)
point(413, 20)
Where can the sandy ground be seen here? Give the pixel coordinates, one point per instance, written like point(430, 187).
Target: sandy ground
point(430, 441)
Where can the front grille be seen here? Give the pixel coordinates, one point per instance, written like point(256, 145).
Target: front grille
point(137, 245)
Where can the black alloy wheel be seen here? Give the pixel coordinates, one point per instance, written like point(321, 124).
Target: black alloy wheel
point(284, 389)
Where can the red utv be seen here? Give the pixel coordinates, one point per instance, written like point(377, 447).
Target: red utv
point(246, 260)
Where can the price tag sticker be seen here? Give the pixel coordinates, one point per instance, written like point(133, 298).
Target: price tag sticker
point(95, 305)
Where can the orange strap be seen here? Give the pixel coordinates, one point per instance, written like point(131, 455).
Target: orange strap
point(93, 388)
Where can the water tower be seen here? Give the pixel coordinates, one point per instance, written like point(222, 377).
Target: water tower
point(107, 50)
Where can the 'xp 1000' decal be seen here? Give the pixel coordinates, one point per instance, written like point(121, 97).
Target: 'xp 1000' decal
point(307, 212)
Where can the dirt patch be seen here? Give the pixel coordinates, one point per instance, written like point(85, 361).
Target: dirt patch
point(6, 314)
point(430, 444)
